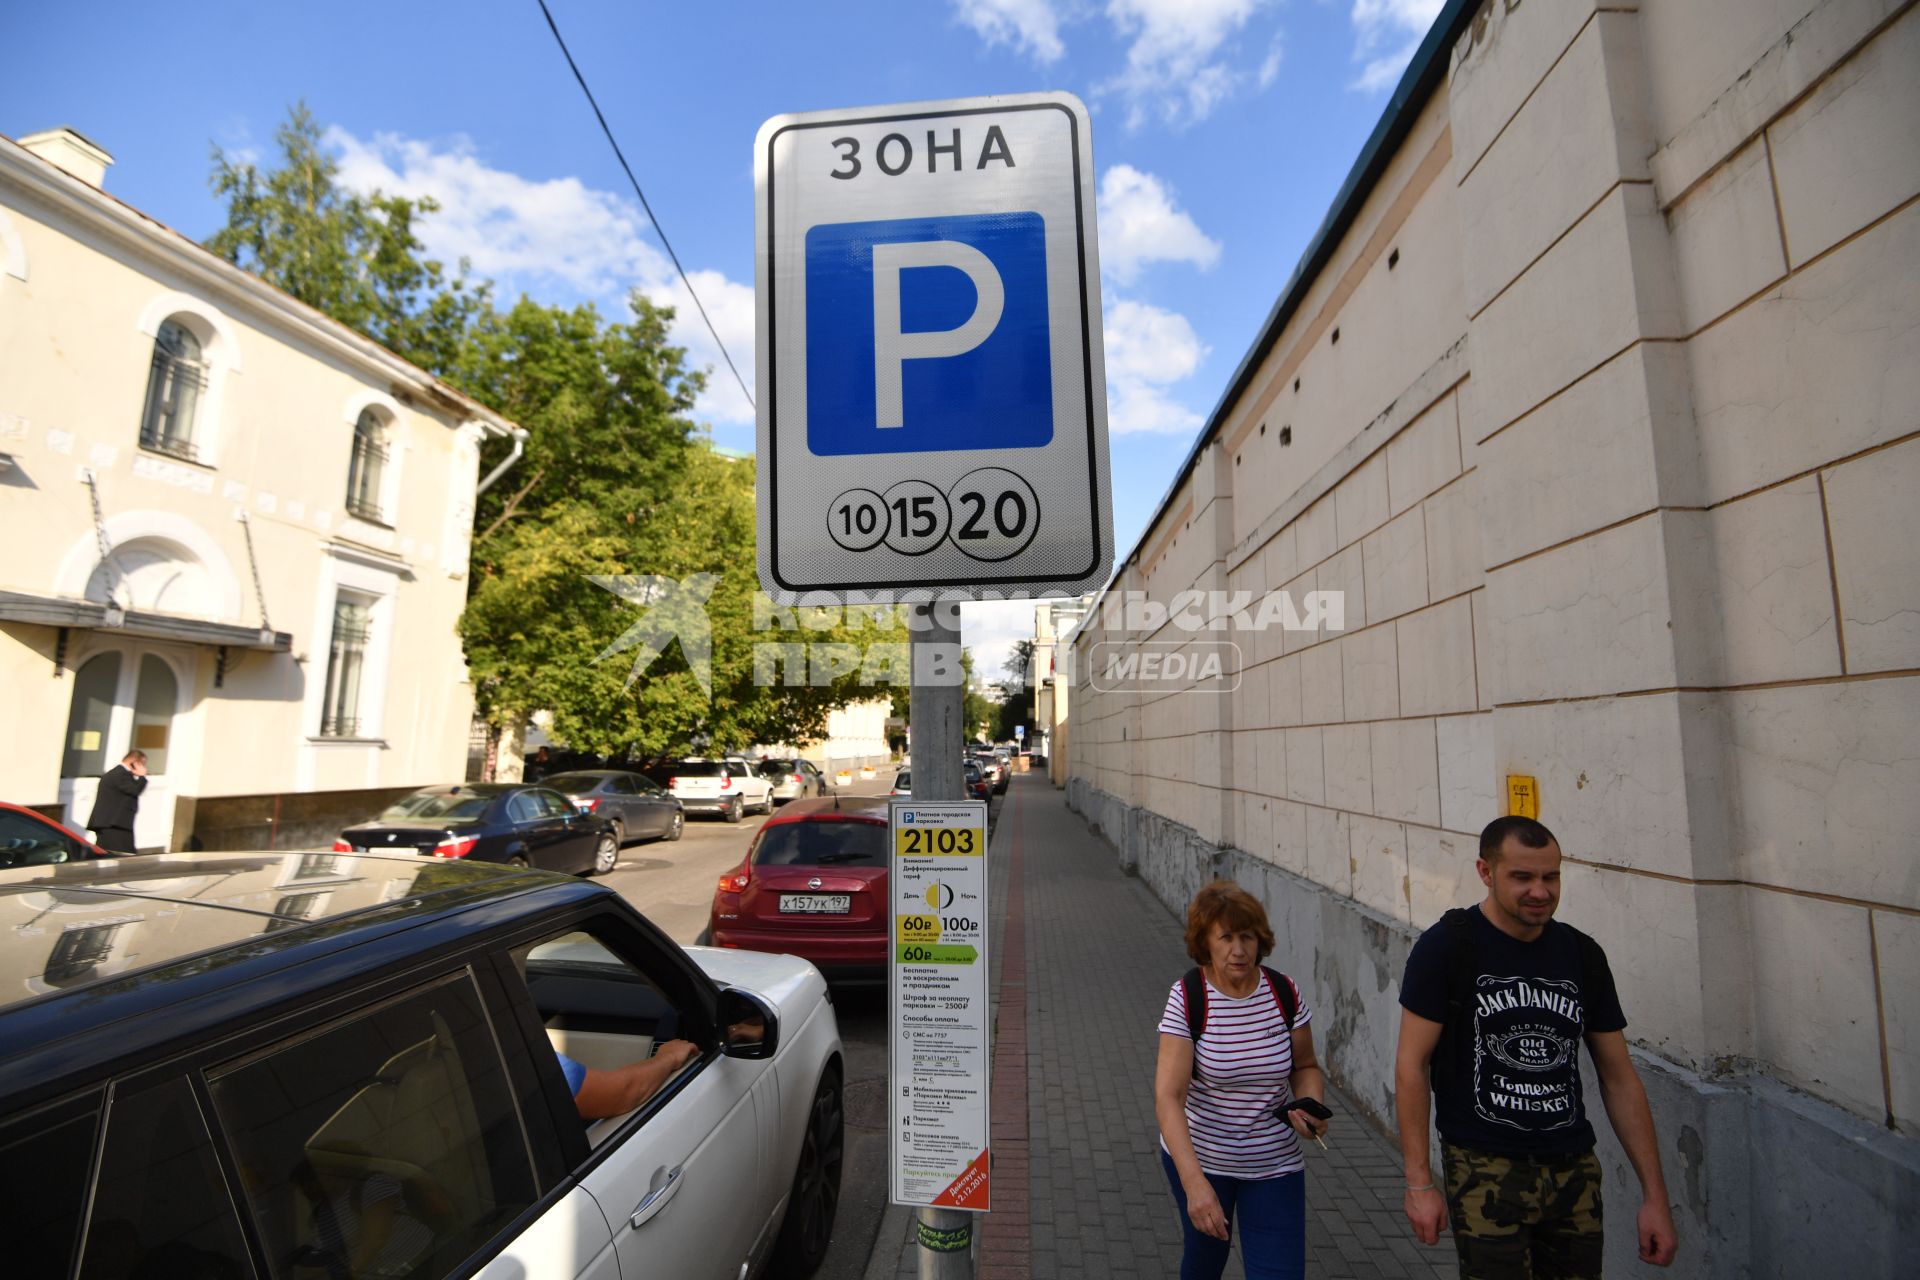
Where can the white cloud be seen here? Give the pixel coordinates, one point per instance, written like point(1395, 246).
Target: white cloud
point(1148, 350)
point(730, 305)
point(1178, 65)
point(991, 628)
point(529, 235)
point(1399, 25)
point(1030, 26)
point(1139, 224)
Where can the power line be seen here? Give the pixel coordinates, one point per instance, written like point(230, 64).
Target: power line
point(658, 229)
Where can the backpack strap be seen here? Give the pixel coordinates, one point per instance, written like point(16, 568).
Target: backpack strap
point(1283, 994)
point(1194, 991)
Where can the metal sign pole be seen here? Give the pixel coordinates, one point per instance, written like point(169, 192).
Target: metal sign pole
point(937, 714)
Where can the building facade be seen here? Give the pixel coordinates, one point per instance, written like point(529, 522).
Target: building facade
point(1595, 402)
point(237, 531)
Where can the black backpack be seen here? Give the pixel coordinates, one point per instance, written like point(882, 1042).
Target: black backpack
point(1194, 985)
point(1463, 966)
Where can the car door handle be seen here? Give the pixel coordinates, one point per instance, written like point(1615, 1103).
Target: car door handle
point(657, 1198)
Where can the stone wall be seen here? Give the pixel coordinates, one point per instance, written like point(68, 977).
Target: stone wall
point(1600, 416)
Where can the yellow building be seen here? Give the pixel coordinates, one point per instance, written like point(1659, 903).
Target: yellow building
point(236, 531)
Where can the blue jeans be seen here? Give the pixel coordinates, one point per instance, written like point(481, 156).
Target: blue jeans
point(1273, 1226)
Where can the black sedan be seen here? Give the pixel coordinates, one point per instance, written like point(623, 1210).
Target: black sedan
point(527, 826)
point(638, 807)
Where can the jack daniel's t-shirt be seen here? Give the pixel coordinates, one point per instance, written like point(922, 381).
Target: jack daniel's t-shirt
point(1506, 1074)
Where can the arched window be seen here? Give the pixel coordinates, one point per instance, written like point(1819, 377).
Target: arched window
point(367, 471)
point(175, 386)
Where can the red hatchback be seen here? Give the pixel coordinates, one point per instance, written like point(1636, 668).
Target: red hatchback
point(813, 885)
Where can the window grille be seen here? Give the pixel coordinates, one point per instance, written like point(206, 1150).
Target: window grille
point(175, 384)
point(346, 666)
point(367, 468)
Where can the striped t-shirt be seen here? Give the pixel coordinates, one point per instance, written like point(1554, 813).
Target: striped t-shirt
point(1242, 1071)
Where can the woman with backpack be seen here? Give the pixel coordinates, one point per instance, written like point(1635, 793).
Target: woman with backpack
point(1235, 1075)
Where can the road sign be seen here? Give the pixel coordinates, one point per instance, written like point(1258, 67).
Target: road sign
point(937, 1004)
point(932, 384)
point(1019, 731)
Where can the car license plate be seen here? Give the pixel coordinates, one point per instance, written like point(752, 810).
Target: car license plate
point(815, 904)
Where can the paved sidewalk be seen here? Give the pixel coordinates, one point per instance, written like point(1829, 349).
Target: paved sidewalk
point(1078, 1188)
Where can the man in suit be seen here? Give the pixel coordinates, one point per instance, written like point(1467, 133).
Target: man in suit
point(119, 800)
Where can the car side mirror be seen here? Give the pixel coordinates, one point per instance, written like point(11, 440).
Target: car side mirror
point(749, 1028)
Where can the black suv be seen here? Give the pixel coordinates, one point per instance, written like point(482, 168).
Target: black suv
point(330, 1065)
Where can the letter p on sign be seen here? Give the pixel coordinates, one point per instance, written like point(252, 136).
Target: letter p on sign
point(928, 334)
point(893, 347)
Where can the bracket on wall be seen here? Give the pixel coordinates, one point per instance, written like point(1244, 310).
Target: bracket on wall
point(220, 667)
point(60, 654)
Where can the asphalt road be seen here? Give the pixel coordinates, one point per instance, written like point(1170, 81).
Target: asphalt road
point(672, 885)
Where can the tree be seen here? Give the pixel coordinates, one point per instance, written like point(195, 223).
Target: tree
point(616, 479)
point(1017, 707)
point(355, 257)
point(537, 625)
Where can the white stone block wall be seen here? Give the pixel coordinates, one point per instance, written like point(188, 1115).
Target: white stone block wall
point(1636, 517)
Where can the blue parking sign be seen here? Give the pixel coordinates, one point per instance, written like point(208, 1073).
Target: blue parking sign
point(928, 334)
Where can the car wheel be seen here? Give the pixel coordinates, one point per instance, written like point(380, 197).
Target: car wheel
point(678, 825)
point(605, 854)
point(619, 833)
point(519, 860)
point(768, 806)
point(736, 810)
point(815, 1197)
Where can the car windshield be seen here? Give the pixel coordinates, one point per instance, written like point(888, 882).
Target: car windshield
point(574, 784)
point(779, 768)
point(437, 806)
point(830, 843)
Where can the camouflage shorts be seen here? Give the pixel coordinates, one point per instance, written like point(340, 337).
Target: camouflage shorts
point(1524, 1218)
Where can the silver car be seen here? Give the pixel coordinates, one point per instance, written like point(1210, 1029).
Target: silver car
point(794, 779)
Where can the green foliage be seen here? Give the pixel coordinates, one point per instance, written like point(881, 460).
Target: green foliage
point(615, 479)
point(354, 257)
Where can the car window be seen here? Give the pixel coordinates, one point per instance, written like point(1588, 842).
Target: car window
point(438, 806)
point(778, 768)
point(843, 843)
point(736, 768)
point(697, 769)
point(28, 842)
point(574, 784)
point(160, 1203)
point(385, 1145)
point(524, 807)
point(645, 786)
point(621, 784)
point(555, 804)
point(44, 1161)
point(603, 1005)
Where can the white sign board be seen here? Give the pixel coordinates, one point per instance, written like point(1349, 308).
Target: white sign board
point(937, 1004)
point(931, 383)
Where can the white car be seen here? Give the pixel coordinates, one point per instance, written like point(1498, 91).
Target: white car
point(320, 1065)
point(727, 787)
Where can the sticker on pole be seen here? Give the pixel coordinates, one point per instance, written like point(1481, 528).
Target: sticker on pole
point(931, 381)
point(937, 1003)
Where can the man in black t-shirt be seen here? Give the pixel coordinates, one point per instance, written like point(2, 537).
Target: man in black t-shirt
point(1495, 1005)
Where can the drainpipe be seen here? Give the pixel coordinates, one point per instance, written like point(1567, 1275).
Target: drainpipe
point(519, 447)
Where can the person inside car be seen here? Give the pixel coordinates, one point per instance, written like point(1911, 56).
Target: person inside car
point(601, 1095)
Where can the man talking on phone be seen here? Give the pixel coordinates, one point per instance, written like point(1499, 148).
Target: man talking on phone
point(1497, 1000)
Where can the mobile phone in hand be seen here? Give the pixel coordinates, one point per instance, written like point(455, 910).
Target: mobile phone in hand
point(1312, 1106)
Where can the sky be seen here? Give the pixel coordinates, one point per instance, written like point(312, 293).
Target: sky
point(1222, 129)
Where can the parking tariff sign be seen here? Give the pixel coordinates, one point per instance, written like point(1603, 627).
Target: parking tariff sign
point(931, 380)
